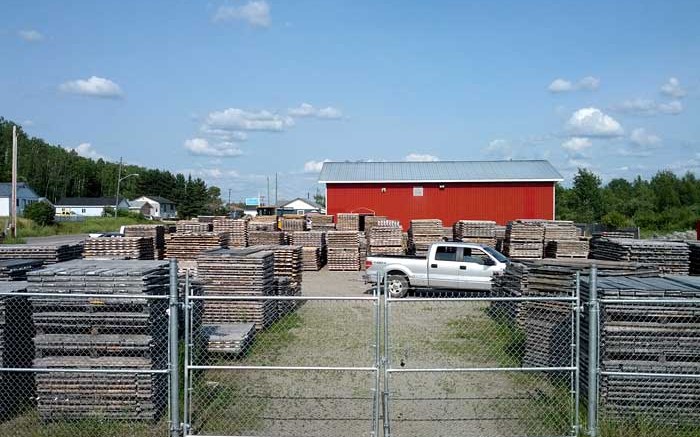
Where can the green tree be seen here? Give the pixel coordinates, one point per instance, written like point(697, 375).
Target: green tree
point(586, 197)
point(40, 213)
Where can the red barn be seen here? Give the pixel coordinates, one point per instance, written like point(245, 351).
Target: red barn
point(446, 190)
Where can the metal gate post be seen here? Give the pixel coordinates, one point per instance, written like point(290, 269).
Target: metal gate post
point(593, 311)
point(377, 357)
point(577, 363)
point(188, 359)
point(386, 360)
point(173, 364)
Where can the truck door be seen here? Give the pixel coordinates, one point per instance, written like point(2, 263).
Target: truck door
point(475, 269)
point(443, 271)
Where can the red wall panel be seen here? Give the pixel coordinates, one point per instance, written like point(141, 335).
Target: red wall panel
point(501, 202)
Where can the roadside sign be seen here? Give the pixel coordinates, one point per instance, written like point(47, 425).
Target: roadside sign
point(252, 201)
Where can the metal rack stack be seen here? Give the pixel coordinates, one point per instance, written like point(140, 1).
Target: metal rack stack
point(100, 333)
point(49, 254)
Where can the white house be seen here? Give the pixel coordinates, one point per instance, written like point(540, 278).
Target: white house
point(298, 206)
point(87, 206)
point(141, 207)
point(25, 196)
point(160, 206)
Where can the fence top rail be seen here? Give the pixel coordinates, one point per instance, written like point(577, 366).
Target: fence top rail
point(239, 298)
point(290, 368)
point(652, 375)
point(670, 301)
point(86, 370)
point(86, 295)
point(481, 369)
point(485, 299)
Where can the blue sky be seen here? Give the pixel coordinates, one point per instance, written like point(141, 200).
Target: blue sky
point(235, 91)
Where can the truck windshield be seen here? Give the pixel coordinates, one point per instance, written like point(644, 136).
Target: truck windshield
point(496, 254)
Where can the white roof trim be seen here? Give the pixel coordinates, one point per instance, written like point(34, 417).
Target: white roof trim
point(439, 181)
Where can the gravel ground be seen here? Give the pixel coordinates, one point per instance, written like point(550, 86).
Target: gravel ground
point(340, 403)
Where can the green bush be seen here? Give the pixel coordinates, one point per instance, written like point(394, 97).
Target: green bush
point(40, 213)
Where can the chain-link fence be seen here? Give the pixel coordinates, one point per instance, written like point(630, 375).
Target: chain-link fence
point(86, 353)
point(649, 367)
point(480, 366)
point(282, 366)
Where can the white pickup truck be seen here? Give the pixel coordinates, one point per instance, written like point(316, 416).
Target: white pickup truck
point(456, 266)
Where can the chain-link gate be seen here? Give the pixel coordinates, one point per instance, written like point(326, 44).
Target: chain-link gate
point(300, 366)
point(481, 366)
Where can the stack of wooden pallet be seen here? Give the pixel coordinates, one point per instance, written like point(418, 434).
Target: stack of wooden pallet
point(156, 232)
point(313, 245)
point(671, 257)
point(511, 283)
point(237, 230)
point(229, 338)
point(524, 239)
point(385, 238)
point(347, 222)
point(320, 222)
point(283, 287)
point(208, 218)
point(371, 221)
point(119, 248)
point(293, 223)
point(287, 264)
point(643, 338)
point(17, 269)
point(423, 233)
point(263, 223)
point(500, 238)
point(475, 231)
point(261, 238)
point(49, 254)
point(16, 330)
point(694, 247)
point(343, 250)
point(193, 226)
point(105, 333)
point(238, 272)
point(561, 240)
point(186, 246)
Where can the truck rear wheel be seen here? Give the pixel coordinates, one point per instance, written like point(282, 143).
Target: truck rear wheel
point(397, 286)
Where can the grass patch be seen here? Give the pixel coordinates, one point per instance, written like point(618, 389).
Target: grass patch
point(27, 228)
point(268, 343)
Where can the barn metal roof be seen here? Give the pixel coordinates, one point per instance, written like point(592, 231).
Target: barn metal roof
point(439, 171)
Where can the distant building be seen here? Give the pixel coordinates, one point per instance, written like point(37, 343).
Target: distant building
point(162, 208)
point(25, 196)
point(298, 206)
point(448, 190)
point(87, 206)
point(141, 207)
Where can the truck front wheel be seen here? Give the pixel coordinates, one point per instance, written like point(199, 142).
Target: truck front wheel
point(397, 286)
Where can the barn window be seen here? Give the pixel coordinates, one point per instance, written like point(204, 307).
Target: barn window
point(417, 191)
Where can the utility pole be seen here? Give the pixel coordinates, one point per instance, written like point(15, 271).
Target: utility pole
point(229, 196)
point(275, 188)
point(119, 179)
point(14, 182)
point(268, 188)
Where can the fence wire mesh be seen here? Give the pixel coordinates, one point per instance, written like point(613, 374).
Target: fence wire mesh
point(84, 365)
point(649, 365)
point(303, 366)
point(481, 366)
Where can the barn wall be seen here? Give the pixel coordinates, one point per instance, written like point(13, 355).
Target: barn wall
point(500, 202)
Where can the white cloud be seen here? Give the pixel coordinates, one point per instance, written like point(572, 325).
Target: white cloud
point(223, 134)
point(499, 148)
point(212, 173)
point(673, 88)
point(31, 35)
point(641, 137)
point(92, 87)
point(420, 157)
point(588, 83)
point(308, 110)
point(650, 107)
point(314, 166)
point(87, 151)
point(560, 86)
point(202, 147)
point(235, 119)
point(255, 13)
point(576, 145)
point(592, 122)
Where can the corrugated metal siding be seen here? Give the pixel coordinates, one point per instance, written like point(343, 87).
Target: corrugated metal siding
point(501, 202)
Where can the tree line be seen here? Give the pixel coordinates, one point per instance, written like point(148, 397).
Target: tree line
point(664, 203)
point(54, 172)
